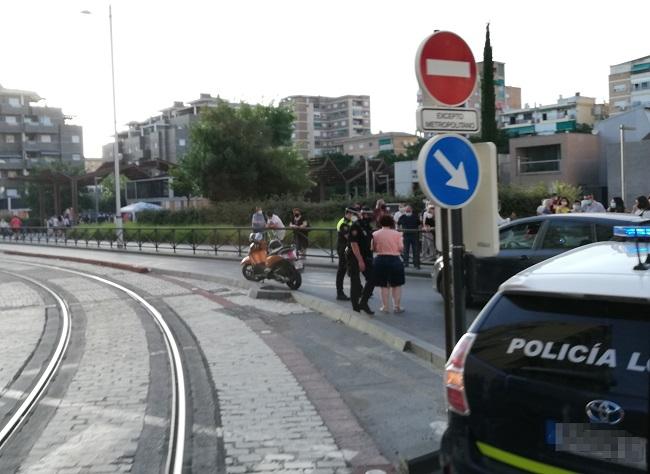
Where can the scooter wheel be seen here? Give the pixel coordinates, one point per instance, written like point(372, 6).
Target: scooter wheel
point(248, 272)
point(295, 280)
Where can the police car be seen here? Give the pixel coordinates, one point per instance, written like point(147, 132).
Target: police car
point(554, 374)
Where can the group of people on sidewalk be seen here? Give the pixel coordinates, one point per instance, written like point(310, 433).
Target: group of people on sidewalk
point(272, 223)
point(369, 244)
point(560, 205)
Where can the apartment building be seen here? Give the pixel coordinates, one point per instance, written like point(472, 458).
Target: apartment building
point(505, 97)
point(369, 146)
point(322, 124)
point(629, 85)
point(567, 115)
point(32, 136)
point(163, 137)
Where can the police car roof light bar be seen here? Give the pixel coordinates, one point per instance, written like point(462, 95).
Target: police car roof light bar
point(636, 232)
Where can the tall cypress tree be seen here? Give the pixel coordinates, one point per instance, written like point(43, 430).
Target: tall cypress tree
point(488, 110)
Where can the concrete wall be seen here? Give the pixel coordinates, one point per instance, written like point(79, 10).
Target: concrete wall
point(579, 162)
point(637, 170)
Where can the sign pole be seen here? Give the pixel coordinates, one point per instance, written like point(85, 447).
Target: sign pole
point(457, 258)
point(446, 281)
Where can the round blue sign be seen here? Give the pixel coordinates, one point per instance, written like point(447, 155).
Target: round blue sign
point(449, 170)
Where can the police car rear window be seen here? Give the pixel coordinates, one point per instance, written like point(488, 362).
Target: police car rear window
point(591, 345)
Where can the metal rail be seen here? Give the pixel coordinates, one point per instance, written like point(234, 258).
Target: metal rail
point(21, 413)
point(175, 452)
point(185, 240)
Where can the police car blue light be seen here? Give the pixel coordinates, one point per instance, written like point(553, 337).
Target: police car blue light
point(631, 231)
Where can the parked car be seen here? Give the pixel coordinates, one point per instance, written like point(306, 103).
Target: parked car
point(525, 242)
point(554, 374)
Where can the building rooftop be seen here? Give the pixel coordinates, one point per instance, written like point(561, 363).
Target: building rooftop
point(31, 96)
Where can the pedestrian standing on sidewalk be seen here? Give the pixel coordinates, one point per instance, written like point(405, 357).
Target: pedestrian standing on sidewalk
point(359, 258)
point(388, 269)
point(428, 240)
point(258, 221)
point(409, 223)
point(343, 232)
point(299, 225)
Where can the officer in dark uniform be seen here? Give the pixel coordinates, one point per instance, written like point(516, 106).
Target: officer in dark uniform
point(343, 231)
point(359, 257)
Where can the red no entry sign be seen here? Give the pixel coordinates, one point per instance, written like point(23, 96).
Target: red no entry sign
point(445, 68)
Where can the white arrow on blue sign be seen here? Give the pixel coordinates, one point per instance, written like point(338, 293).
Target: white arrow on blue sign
point(448, 170)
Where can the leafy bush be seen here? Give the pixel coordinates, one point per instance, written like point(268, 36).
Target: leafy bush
point(523, 201)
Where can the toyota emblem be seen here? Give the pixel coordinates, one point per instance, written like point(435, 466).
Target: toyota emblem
point(604, 411)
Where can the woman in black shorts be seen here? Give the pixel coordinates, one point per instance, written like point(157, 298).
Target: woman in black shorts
point(388, 268)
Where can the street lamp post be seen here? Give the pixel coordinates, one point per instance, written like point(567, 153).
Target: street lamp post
point(116, 160)
point(622, 129)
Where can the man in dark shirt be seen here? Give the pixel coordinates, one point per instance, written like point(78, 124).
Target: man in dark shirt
point(409, 223)
point(343, 232)
point(359, 257)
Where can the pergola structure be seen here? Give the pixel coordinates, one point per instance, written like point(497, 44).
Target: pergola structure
point(325, 173)
point(57, 180)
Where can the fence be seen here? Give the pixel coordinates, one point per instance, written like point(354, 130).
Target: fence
point(232, 241)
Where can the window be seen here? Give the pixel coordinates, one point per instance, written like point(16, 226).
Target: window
point(45, 120)
point(620, 88)
point(14, 101)
point(75, 139)
point(10, 139)
point(521, 236)
point(604, 232)
point(46, 139)
point(181, 142)
point(76, 157)
point(11, 119)
point(567, 235)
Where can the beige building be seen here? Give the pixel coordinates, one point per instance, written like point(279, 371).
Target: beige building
point(323, 123)
point(572, 158)
point(567, 115)
point(369, 146)
point(505, 97)
point(629, 85)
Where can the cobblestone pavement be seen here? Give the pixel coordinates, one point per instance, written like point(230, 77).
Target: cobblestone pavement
point(269, 422)
point(21, 325)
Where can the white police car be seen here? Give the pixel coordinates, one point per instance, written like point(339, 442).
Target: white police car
point(554, 374)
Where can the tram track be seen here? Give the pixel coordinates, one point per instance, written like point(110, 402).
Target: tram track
point(178, 416)
point(25, 407)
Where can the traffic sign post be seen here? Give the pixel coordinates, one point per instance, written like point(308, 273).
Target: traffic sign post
point(449, 171)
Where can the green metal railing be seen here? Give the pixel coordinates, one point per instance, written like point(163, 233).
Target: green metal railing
point(177, 240)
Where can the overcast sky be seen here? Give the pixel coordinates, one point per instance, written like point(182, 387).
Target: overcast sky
point(261, 51)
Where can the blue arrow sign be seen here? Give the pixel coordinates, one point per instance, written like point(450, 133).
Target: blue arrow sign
point(448, 170)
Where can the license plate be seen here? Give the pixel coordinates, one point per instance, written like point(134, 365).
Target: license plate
point(598, 442)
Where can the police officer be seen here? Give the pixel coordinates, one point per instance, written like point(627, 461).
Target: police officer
point(343, 231)
point(359, 258)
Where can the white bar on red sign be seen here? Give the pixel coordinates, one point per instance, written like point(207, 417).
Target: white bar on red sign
point(443, 67)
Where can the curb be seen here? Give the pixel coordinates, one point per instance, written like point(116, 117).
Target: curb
point(389, 335)
point(101, 263)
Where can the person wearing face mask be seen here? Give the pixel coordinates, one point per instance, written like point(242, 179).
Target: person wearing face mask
point(409, 224)
point(577, 206)
point(359, 258)
point(398, 213)
point(258, 221)
point(343, 232)
point(616, 204)
point(642, 206)
point(590, 205)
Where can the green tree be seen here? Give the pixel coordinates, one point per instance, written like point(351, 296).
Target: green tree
point(183, 184)
point(413, 151)
point(244, 152)
point(341, 160)
point(488, 110)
